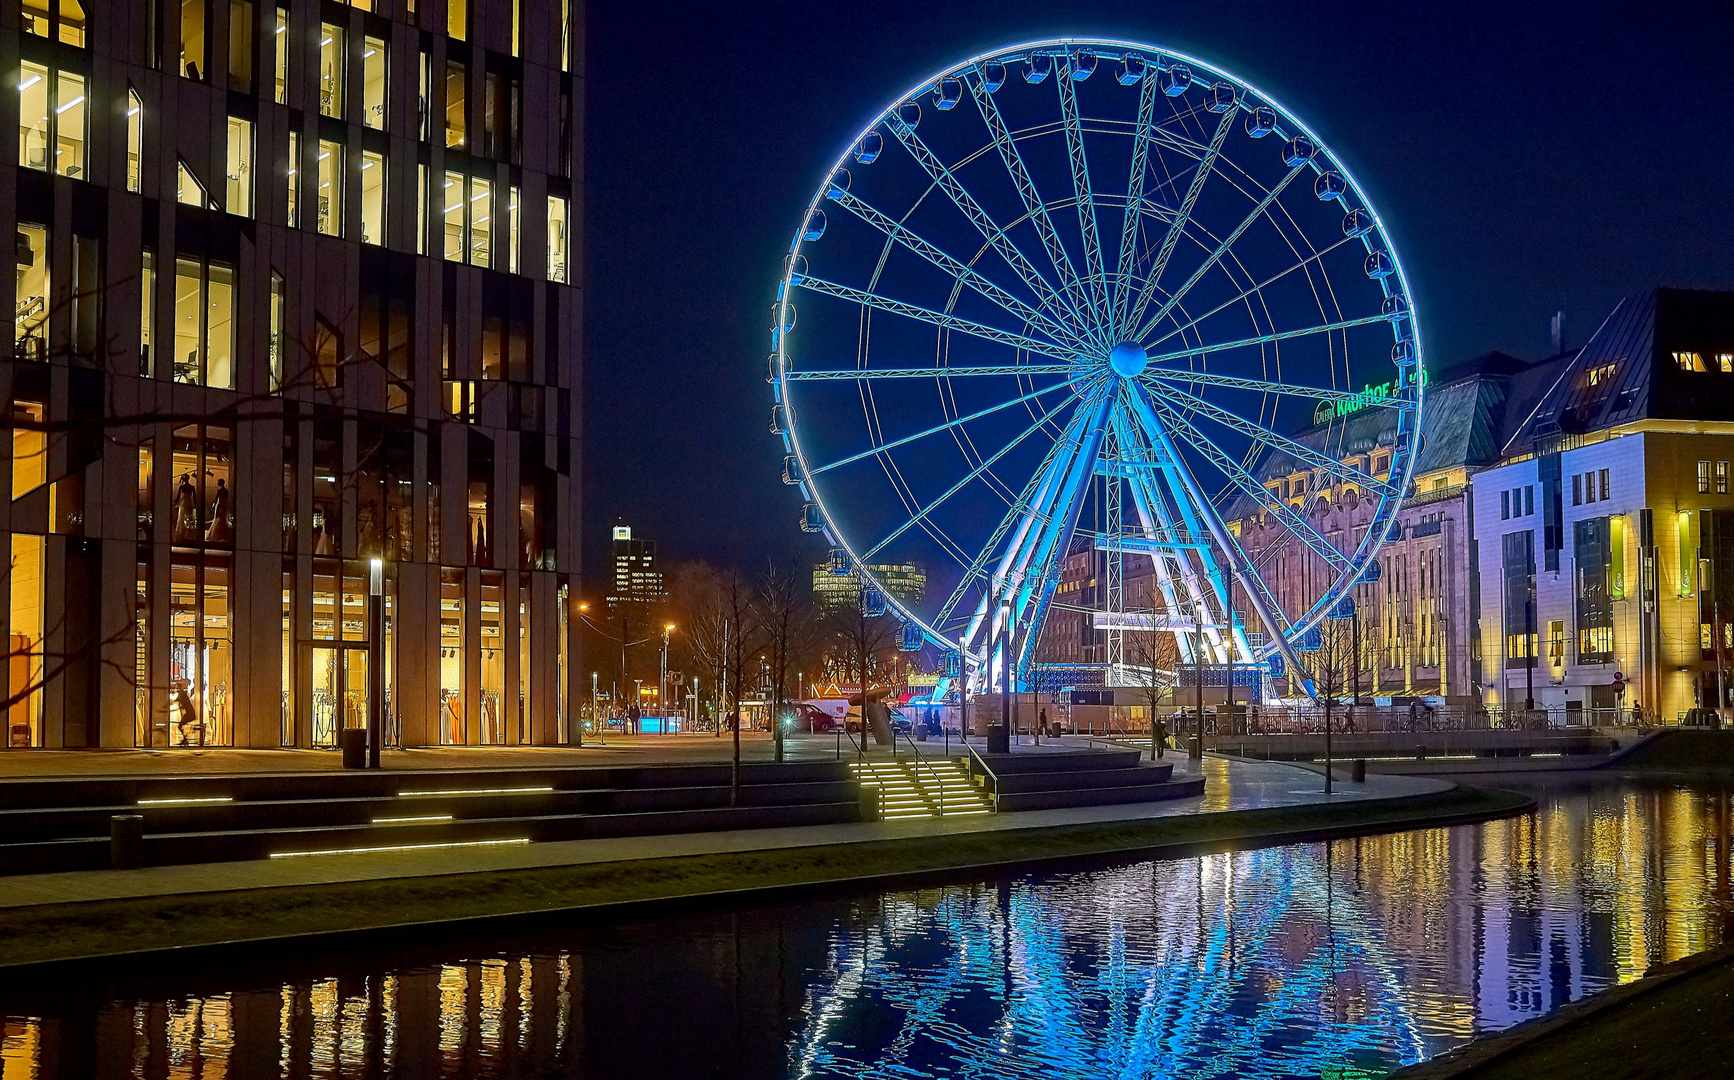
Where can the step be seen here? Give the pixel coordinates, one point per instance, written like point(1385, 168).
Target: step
point(82, 853)
point(1101, 796)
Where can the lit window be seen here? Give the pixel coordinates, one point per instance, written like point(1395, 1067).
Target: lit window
point(33, 123)
point(240, 168)
point(147, 314)
point(30, 328)
point(565, 35)
point(452, 216)
point(330, 188)
point(331, 70)
point(281, 48)
point(457, 116)
point(64, 19)
point(1725, 361)
point(372, 198)
point(193, 39)
point(421, 182)
point(513, 198)
point(481, 222)
point(556, 238)
point(1600, 375)
point(517, 26)
point(424, 98)
point(458, 19)
point(241, 46)
point(1703, 477)
point(275, 342)
point(204, 324)
point(188, 190)
point(1721, 477)
point(294, 218)
point(134, 140)
point(373, 84)
point(69, 112)
point(1689, 361)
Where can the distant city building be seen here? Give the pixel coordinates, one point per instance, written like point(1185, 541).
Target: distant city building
point(903, 582)
point(637, 580)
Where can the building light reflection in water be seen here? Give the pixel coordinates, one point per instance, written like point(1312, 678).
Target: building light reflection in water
point(1345, 958)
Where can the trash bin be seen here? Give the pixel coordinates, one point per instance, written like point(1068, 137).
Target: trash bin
point(1195, 747)
point(126, 841)
point(353, 743)
point(1360, 773)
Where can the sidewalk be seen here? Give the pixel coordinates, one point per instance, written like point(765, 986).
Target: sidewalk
point(1229, 785)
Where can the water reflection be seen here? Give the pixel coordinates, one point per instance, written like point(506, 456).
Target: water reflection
point(1343, 959)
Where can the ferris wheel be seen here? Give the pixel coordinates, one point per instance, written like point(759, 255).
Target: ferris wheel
point(1067, 316)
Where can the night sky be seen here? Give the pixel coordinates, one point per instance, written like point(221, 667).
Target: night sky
point(1527, 158)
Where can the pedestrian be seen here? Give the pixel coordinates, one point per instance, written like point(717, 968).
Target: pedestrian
point(1042, 719)
point(1161, 738)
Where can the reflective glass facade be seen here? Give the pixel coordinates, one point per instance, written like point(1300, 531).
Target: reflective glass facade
point(237, 323)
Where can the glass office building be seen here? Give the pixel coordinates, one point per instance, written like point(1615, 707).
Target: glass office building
point(297, 288)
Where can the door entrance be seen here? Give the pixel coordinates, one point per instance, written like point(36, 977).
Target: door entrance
point(339, 691)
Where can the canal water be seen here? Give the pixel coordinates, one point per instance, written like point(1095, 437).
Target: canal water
point(1313, 960)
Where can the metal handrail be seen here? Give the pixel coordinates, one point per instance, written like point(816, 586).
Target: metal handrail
point(979, 760)
point(937, 782)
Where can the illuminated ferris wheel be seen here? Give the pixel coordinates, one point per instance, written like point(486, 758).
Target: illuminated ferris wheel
point(1068, 303)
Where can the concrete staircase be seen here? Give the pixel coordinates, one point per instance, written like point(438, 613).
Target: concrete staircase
point(1031, 779)
point(64, 823)
point(910, 788)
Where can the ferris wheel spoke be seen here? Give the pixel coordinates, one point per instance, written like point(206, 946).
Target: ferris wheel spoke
point(1082, 189)
point(1226, 304)
point(1291, 519)
point(926, 315)
point(960, 197)
point(1032, 199)
point(953, 266)
point(1262, 386)
point(1263, 435)
point(1187, 204)
point(936, 429)
point(1017, 515)
point(1145, 410)
point(1141, 139)
point(844, 374)
point(1264, 339)
point(1246, 223)
point(970, 476)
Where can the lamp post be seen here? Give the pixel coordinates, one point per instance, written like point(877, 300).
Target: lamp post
point(594, 719)
point(963, 689)
point(637, 704)
point(662, 677)
point(375, 650)
point(1000, 741)
point(576, 662)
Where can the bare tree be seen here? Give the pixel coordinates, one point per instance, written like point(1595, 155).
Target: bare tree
point(697, 599)
point(1331, 666)
point(744, 636)
point(784, 611)
point(1154, 653)
point(858, 644)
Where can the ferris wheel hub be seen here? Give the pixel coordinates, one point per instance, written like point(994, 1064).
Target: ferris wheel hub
point(1128, 359)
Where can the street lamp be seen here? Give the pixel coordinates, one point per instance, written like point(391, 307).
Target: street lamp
point(594, 719)
point(662, 679)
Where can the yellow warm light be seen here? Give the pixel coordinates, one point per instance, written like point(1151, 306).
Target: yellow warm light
point(400, 847)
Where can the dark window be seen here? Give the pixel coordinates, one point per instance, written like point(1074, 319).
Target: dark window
point(1518, 563)
point(1595, 610)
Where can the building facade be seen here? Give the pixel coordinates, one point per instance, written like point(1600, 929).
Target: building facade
point(904, 582)
point(637, 576)
point(1606, 541)
point(296, 290)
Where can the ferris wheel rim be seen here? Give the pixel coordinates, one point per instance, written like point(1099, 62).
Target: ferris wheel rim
point(1357, 560)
